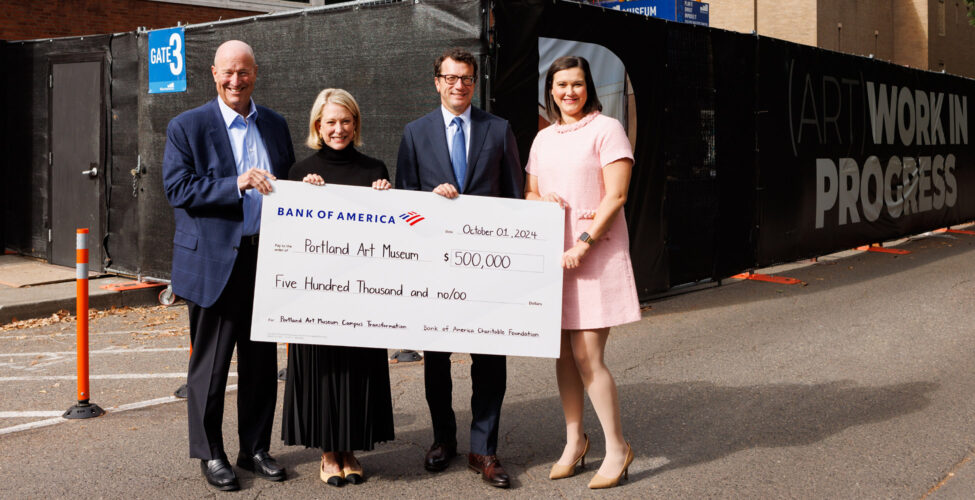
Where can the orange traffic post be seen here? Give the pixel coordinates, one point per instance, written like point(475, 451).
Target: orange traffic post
point(84, 409)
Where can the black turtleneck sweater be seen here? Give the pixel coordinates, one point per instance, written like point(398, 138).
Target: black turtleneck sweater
point(346, 166)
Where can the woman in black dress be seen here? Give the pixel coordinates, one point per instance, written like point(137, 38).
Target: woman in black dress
point(337, 398)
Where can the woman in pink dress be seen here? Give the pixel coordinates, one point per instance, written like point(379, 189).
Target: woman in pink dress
point(583, 162)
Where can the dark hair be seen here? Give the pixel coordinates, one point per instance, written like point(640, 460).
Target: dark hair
point(458, 54)
point(569, 62)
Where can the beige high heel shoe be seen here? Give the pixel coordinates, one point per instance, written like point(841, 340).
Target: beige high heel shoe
point(599, 482)
point(564, 471)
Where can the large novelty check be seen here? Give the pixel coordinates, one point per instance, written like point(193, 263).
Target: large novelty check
point(353, 266)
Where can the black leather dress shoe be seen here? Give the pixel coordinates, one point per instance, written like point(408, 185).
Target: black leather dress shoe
point(439, 456)
point(219, 474)
point(490, 469)
point(263, 465)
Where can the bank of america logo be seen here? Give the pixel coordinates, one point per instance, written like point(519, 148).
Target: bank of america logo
point(411, 217)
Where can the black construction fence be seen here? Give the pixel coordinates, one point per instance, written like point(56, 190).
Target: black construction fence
point(752, 151)
point(749, 151)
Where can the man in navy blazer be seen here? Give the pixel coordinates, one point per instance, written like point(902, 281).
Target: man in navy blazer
point(461, 149)
point(218, 163)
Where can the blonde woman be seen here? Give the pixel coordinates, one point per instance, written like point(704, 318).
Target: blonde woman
point(337, 398)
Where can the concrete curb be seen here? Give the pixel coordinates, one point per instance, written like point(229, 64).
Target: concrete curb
point(44, 300)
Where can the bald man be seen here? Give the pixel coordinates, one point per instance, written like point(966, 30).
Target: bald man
point(218, 163)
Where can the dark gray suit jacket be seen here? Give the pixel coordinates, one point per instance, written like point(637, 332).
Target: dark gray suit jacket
point(493, 167)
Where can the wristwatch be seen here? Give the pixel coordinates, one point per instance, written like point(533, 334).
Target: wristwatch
point(585, 238)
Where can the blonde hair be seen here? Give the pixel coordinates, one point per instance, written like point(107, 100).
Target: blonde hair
point(334, 96)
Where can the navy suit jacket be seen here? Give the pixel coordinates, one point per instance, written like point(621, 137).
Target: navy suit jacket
point(200, 179)
point(493, 167)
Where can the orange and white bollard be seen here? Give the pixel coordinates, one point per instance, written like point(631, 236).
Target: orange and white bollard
point(84, 409)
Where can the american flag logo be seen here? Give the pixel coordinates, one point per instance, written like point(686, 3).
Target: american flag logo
point(411, 217)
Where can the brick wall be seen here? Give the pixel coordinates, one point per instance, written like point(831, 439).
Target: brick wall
point(906, 32)
point(732, 15)
point(952, 51)
point(30, 19)
point(867, 27)
point(912, 28)
point(792, 20)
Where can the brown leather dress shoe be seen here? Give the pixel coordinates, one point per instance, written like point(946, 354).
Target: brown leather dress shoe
point(490, 469)
point(439, 456)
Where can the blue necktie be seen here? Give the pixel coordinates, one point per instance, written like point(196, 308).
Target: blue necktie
point(458, 153)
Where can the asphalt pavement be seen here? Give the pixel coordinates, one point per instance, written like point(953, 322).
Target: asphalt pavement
point(856, 382)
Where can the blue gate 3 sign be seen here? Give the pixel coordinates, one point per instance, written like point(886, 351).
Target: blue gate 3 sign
point(167, 61)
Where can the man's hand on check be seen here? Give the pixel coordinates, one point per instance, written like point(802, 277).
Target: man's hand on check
point(257, 179)
point(447, 190)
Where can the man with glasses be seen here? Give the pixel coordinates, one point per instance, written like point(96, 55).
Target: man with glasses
point(460, 149)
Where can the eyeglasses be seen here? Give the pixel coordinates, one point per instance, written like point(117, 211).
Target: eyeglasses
point(452, 79)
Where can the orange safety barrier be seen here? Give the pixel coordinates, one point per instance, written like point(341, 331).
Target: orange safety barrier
point(880, 249)
point(84, 409)
point(781, 280)
point(132, 285)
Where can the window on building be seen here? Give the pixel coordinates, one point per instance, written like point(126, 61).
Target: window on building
point(941, 17)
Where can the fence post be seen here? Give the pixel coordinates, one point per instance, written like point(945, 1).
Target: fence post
point(84, 409)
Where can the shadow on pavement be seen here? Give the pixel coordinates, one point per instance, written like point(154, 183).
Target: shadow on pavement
point(826, 275)
point(670, 426)
point(692, 423)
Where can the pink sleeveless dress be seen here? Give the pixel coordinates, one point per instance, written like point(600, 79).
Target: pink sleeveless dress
point(568, 161)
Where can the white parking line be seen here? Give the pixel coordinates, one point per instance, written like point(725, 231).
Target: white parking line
point(94, 334)
point(32, 425)
point(117, 409)
point(22, 414)
point(118, 376)
point(114, 350)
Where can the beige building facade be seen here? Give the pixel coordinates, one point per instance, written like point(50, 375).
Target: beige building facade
point(927, 34)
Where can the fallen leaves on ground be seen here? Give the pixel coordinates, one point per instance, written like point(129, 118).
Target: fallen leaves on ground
point(147, 317)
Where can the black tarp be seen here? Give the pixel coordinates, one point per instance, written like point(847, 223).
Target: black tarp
point(383, 54)
point(717, 187)
point(738, 136)
point(675, 208)
point(123, 227)
point(816, 137)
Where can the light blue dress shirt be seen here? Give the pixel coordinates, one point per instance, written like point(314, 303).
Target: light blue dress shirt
point(452, 129)
point(249, 152)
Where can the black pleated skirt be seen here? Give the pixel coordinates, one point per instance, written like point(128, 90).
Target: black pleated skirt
point(337, 398)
